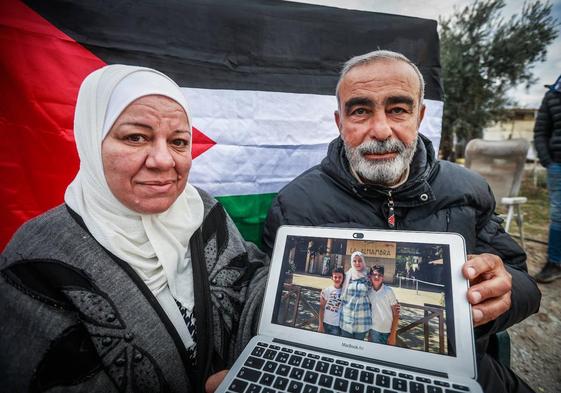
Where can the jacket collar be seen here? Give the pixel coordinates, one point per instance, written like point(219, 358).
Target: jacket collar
point(415, 191)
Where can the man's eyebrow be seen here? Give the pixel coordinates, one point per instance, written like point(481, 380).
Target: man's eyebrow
point(409, 101)
point(358, 101)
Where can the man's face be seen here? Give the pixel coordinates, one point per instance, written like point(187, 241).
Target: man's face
point(377, 279)
point(378, 118)
point(337, 279)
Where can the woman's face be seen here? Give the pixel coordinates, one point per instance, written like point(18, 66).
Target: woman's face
point(146, 154)
point(357, 263)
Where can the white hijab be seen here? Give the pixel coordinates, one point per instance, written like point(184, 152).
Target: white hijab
point(154, 245)
point(354, 274)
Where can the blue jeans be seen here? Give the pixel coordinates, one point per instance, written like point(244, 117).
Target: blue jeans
point(331, 329)
point(554, 189)
point(358, 336)
point(377, 337)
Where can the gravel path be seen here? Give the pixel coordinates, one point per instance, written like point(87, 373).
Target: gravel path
point(536, 341)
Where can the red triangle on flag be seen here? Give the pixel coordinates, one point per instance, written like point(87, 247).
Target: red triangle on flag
point(42, 69)
point(201, 143)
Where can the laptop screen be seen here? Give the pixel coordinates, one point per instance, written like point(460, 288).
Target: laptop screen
point(387, 292)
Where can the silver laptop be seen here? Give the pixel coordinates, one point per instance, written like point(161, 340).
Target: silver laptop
point(434, 351)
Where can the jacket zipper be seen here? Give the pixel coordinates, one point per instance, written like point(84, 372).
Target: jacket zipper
point(201, 311)
point(391, 211)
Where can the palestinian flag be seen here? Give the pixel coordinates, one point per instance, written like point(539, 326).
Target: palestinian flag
point(259, 75)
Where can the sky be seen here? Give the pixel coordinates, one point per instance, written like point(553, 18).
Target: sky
point(546, 72)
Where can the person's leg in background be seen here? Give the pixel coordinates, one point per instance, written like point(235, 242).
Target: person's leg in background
point(360, 336)
point(377, 337)
point(552, 269)
point(330, 329)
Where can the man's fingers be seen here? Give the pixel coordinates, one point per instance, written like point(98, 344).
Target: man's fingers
point(476, 265)
point(491, 285)
point(488, 289)
point(214, 381)
point(491, 309)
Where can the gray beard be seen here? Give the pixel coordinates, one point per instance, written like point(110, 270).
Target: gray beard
point(386, 172)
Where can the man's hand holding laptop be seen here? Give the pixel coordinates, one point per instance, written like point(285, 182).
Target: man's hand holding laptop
point(490, 287)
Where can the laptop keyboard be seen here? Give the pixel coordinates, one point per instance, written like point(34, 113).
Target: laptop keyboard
point(275, 368)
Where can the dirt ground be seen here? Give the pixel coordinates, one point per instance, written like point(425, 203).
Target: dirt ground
point(536, 342)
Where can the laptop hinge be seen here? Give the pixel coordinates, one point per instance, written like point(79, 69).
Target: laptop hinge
point(364, 359)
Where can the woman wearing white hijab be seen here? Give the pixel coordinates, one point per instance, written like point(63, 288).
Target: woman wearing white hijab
point(140, 281)
point(356, 314)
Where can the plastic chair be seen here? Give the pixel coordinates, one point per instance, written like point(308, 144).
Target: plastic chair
point(501, 163)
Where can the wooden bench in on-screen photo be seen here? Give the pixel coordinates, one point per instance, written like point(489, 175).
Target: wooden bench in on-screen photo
point(430, 311)
point(295, 304)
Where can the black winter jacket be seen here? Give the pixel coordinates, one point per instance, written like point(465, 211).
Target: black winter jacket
point(438, 196)
point(547, 130)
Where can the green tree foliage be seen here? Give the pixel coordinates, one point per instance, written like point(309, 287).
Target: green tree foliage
point(484, 55)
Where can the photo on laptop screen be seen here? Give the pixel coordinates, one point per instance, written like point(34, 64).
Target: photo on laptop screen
point(362, 302)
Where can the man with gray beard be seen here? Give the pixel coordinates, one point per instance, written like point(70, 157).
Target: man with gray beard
point(381, 173)
point(386, 171)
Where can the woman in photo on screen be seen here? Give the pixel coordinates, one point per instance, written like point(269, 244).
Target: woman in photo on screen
point(356, 313)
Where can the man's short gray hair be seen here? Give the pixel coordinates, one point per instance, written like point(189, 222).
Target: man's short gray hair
point(376, 56)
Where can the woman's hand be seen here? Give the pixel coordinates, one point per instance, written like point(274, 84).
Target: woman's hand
point(214, 381)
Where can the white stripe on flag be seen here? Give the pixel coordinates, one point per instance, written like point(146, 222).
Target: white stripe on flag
point(265, 139)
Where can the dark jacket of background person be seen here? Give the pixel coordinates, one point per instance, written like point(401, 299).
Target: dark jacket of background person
point(547, 130)
point(76, 316)
point(438, 196)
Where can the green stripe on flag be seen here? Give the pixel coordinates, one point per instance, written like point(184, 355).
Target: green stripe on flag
point(249, 213)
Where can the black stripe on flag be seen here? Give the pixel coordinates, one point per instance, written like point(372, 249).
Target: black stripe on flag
point(266, 45)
